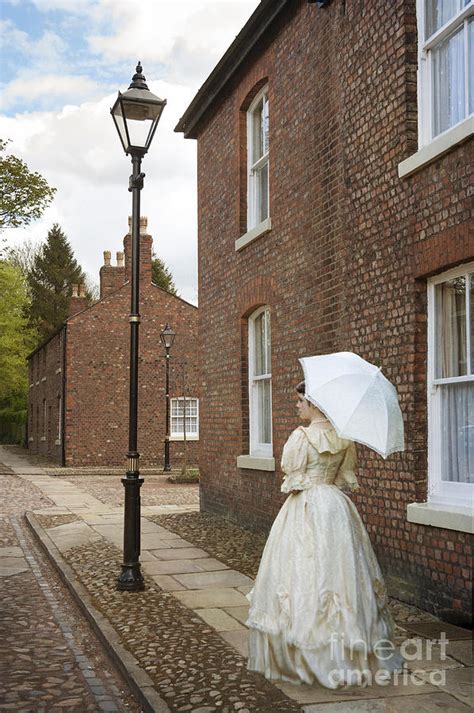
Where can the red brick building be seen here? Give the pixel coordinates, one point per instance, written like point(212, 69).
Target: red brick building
point(334, 214)
point(78, 399)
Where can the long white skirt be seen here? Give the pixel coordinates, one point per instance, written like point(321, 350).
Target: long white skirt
point(318, 609)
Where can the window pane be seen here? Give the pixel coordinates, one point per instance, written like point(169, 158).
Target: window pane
point(261, 177)
point(260, 129)
point(471, 326)
point(259, 346)
point(450, 301)
point(457, 432)
point(265, 125)
point(264, 411)
point(268, 342)
point(470, 39)
point(438, 12)
point(448, 82)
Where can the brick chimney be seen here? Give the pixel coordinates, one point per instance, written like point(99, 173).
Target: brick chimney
point(146, 243)
point(78, 300)
point(112, 277)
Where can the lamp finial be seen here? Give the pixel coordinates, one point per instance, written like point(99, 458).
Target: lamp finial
point(138, 79)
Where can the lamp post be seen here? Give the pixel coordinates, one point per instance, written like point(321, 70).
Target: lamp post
point(167, 337)
point(136, 114)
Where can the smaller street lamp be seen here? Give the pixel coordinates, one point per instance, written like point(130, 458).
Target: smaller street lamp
point(167, 337)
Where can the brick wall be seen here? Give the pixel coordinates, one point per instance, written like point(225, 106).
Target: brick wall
point(98, 378)
point(46, 372)
point(95, 344)
point(344, 266)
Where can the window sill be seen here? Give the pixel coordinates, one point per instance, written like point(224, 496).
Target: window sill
point(181, 438)
point(450, 517)
point(256, 463)
point(437, 148)
point(264, 227)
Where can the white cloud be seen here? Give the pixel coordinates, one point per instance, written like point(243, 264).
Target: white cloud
point(43, 89)
point(187, 38)
point(46, 52)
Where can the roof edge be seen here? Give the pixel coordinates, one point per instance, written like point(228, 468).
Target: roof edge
point(252, 31)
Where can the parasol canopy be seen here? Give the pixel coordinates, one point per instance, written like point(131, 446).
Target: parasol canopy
point(360, 402)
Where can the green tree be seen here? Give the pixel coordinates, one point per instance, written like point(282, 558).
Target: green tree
point(52, 274)
point(16, 341)
point(161, 275)
point(24, 194)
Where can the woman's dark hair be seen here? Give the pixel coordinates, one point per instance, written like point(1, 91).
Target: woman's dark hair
point(300, 388)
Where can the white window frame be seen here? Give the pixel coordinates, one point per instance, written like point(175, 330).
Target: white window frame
point(179, 435)
point(253, 221)
point(425, 85)
point(442, 492)
point(263, 450)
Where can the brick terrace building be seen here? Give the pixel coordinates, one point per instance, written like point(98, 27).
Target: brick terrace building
point(85, 366)
point(362, 242)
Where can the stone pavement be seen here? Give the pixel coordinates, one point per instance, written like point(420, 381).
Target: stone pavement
point(184, 639)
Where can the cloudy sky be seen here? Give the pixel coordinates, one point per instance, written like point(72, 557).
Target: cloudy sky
point(63, 62)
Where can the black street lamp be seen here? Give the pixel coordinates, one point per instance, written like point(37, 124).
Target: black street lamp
point(167, 337)
point(136, 114)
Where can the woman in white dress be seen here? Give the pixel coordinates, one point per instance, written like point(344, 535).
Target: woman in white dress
point(318, 609)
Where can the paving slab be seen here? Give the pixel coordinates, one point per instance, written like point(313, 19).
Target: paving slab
point(461, 651)
point(185, 553)
point(459, 682)
point(170, 566)
point(209, 564)
point(12, 565)
point(423, 703)
point(239, 613)
point(167, 583)
point(72, 535)
point(237, 639)
point(434, 629)
point(213, 580)
point(422, 654)
point(304, 694)
point(211, 598)
point(219, 620)
point(11, 552)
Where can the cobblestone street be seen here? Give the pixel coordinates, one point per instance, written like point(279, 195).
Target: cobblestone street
point(50, 660)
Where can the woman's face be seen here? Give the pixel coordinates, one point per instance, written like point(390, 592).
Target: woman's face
point(304, 409)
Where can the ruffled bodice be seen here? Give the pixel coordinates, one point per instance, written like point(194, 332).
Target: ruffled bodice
point(317, 455)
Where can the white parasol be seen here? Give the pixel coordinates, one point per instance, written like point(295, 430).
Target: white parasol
point(360, 402)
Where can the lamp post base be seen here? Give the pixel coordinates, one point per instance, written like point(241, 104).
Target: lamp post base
point(131, 579)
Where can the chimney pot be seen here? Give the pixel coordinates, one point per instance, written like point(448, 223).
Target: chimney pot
point(143, 224)
point(75, 290)
point(107, 256)
point(82, 290)
point(120, 259)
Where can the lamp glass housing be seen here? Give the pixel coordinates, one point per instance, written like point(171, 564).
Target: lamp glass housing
point(136, 114)
point(167, 337)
